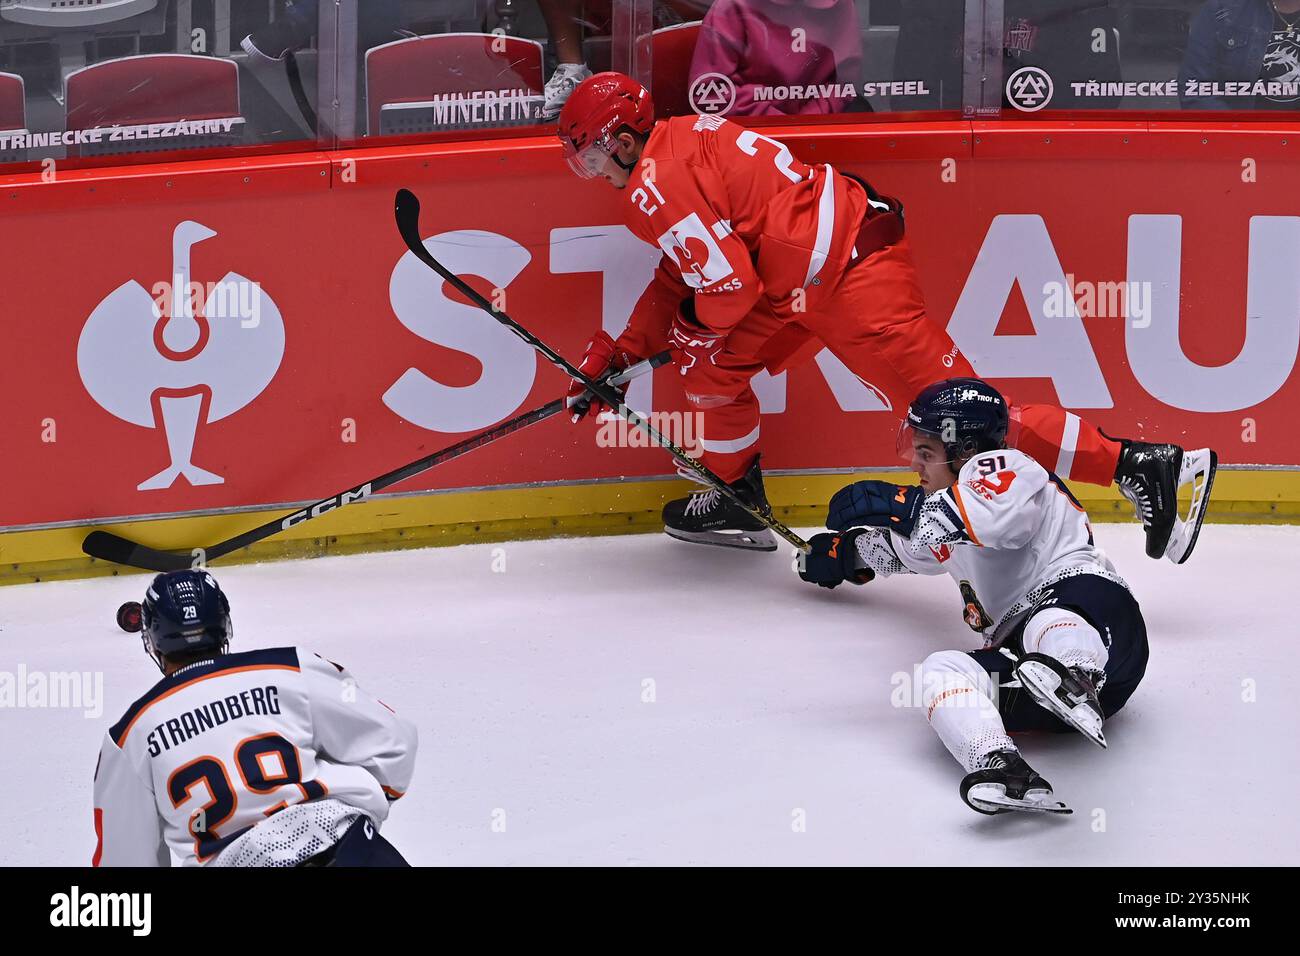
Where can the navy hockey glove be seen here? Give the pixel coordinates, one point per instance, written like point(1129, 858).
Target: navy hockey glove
point(832, 560)
point(876, 504)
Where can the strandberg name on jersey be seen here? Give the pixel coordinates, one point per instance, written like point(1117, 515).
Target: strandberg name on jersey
point(177, 730)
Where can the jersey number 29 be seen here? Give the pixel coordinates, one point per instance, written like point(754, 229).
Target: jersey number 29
point(252, 756)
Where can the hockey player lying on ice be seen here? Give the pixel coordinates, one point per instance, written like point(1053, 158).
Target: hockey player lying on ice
point(266, 758)
point(1065, 645)
point(766, 261)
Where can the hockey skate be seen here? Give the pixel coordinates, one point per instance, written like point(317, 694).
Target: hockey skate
point(1069, 693)
point(1197, 470)
point(1004, 783)
point(708, 517)
point(1147, 476)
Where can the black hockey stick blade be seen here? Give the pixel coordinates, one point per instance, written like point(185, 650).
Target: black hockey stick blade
point(107, 546)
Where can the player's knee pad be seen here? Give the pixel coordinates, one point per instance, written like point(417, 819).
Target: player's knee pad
point(946, 675)
point(1067, 636)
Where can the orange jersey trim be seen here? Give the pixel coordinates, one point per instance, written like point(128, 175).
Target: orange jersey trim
point(961, 507)
point(121, 742)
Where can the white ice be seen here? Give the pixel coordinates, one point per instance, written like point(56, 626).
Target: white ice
point(636, 700)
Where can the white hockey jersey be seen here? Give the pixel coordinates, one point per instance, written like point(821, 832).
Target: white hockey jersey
point(1006, 528)
point(223, 745)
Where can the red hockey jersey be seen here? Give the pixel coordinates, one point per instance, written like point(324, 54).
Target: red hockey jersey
point(737, 218)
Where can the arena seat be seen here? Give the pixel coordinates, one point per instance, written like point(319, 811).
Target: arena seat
point(671, 50)
point(13, 115)
point(78, 13)
point(138, 91)
point(423, 84)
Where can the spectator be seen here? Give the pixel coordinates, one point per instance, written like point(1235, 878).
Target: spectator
point(757, 45)
point(1242, 41)
point(1073, 41)
point(567, 23)
point(564, 26)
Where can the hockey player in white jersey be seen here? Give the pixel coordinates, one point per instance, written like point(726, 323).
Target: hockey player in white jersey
point(1065, 644)
point(268, 757)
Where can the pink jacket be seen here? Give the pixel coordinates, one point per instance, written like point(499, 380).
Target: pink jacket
point(751, 42)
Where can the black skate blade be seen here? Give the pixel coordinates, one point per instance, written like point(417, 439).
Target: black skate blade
point(762, 540)
point(993, 799)
point(1196, 517)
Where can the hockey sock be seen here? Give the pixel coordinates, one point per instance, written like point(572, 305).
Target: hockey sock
point(958, 698)
point(1066, 636)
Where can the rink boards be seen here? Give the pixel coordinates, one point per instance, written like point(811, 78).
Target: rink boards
point(392, 522)
point(1076, 262)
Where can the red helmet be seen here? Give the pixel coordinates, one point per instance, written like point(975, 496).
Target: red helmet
point(593, 115)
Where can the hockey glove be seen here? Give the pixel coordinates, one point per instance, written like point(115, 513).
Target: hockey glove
point(833, 560)
point(876, 504)
point(602, 359)
point(693, 343)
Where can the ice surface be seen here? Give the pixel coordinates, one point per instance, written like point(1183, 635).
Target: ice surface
point(525, 666)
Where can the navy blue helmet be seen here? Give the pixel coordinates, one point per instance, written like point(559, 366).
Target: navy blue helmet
point(966, 414)
point(184, 612)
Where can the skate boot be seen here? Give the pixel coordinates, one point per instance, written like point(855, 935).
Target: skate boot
point(709, 517)
point(1147, 475)
point(1004, 782)
point(1068, 692)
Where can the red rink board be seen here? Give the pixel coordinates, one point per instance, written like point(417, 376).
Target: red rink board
point(375, 349)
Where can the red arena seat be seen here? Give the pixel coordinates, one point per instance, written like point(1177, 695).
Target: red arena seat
point(452, 81)
point(155, 103)
point(13, 116)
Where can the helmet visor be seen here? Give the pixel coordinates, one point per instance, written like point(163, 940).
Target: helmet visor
point(588, 162)
point(917, 447)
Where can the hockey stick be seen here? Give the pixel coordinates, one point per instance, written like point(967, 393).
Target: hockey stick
point(300, 94)
point(407, 211)
point(111, 547)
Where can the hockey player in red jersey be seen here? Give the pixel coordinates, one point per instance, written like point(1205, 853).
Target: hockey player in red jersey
point(270, 757)
point(766, 260)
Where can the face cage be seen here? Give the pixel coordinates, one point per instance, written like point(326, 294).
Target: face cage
point(589, 162)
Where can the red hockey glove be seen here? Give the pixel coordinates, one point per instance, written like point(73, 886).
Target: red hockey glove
point(603, 358)
point(693, 343)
